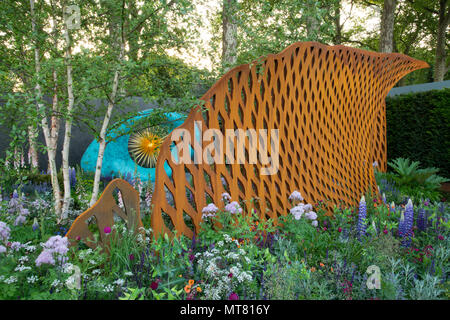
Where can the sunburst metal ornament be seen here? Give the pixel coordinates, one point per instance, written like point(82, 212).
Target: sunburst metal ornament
point(144, 147)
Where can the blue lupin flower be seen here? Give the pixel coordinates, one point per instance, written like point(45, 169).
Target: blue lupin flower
point(384, 198)
point(362, 214)
point(35, 224)
point(72, 177)
point(406, 224)
point(421, 220)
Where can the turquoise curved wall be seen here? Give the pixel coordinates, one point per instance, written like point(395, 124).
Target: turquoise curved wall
point(116, 160)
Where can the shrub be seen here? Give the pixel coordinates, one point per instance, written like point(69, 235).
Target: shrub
point(418, 127)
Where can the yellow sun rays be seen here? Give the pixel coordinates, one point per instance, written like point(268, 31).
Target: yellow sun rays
point(144, 147)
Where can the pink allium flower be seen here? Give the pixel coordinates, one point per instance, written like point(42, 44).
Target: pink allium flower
point(340, 229)
point(233, 296)
point(107, 230)
point(131, 256)
point(440, 237)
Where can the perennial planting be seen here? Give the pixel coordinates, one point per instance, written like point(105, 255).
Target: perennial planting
point(308, 255)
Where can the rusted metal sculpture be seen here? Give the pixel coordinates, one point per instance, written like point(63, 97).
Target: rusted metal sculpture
point(104, 211)
point(328, 103)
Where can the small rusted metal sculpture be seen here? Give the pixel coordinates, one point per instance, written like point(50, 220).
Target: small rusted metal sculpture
point(104, 211)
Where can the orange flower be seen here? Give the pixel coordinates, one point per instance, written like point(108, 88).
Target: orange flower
point(331, 269)
point(321, 264)
point(199, 289)
point(375, 205)
point(187, 288)
point(313, 269)
point(191, 282)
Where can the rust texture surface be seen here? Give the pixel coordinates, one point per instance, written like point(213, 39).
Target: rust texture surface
point(105, 211)
point(328, 103)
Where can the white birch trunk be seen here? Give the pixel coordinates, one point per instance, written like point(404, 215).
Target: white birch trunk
point(229, 37)
point(32, 148)
point(68, 127)
point(45, 129)
point(102, 140)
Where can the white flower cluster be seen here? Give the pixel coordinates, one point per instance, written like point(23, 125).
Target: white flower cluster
point(224, 268)
point(83, 254)
point(32, 279)
point(302, 209)
point(10, 280)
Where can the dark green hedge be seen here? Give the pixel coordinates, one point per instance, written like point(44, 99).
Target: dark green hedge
point(418, 127)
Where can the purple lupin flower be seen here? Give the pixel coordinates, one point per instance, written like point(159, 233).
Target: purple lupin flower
point(72, 177)
point(406, 224)
point(362, 214)
point(421, 222)
point(384, 198)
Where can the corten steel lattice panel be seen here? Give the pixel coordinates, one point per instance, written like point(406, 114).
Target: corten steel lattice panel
point(329, 106)
point(103, 212)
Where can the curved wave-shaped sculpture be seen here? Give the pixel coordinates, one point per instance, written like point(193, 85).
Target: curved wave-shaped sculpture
point(328, 103)
point(116, 159)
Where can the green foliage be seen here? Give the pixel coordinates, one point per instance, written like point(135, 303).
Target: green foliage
point(409, 179)
point(418, 128)
point(408, 174)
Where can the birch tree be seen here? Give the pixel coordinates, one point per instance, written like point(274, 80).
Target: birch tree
point(126, 33)
point(51, 150)
point(68, 122)
point(229, 37)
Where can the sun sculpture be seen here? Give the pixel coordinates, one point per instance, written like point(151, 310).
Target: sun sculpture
point(131, 152)
point(144, 147)
point(328, 104)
